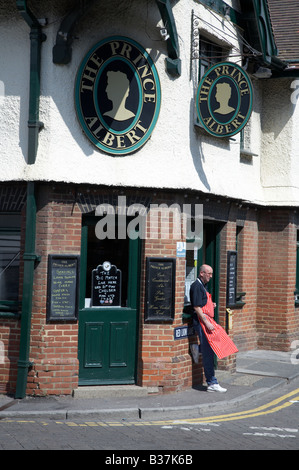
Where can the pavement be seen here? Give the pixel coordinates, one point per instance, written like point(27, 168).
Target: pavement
point(257, 373)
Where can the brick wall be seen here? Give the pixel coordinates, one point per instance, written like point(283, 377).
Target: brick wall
point(12, 199)
point(266, 272)
point(164, 363)
point(244, 318)
point(9, 354)
point(54, 346)
point(277, 318)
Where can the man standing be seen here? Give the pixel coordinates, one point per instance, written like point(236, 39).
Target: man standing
point(203, 311)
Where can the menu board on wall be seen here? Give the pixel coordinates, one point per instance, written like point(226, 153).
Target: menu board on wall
point(160, 289)
point(63, 287)
point(231, 282)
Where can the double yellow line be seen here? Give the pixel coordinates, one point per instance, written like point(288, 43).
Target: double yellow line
point(271, 407)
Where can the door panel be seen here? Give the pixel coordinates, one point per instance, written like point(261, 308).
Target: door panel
point(107, 346)
point(93, 353)
point(119, 344)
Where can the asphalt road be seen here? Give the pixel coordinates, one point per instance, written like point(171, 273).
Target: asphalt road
point(270, 422)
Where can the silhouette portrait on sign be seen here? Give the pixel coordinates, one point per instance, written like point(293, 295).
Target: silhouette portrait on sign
point(222, 96)
point(118, 90)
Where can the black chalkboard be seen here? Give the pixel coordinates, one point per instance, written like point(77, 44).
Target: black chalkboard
point(63, 287)
point(160, 289)
point(106, 286)
point(231, 281)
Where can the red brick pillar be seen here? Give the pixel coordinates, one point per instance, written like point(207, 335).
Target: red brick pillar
point(277, 324)
point(228, 242)
point(244, 318)
point(53, 348)
point(165, 363)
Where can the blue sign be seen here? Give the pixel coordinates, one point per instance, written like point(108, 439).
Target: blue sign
point(183, 332)
point(181, 249)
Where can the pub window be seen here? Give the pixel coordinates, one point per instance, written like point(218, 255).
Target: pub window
point(192, 255)
point(10, 234)
point(246, 153)
point(209, 53)
point(191, 273)
point(297, 272)
point(191, 268)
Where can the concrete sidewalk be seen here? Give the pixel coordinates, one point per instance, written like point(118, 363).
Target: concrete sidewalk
point(257, 373)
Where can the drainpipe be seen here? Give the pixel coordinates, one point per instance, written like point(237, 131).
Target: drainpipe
point(36, 39)
point(62, 51)
point(30, 257)
point(173, 61)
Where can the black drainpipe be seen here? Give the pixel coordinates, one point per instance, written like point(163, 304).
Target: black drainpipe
point(30, 257)
point(36, 39)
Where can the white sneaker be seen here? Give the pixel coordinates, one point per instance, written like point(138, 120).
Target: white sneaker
point(216, 388)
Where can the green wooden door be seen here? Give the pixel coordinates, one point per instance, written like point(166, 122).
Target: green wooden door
point(209, 254)
point(108, 336)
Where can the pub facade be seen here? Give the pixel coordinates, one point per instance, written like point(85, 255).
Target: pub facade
point(138, 141)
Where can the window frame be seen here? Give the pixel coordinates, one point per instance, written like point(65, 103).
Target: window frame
point(208, 56)
point(11, 229)
point(296, 293)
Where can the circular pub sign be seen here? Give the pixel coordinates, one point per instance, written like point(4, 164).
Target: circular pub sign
point(224, 99)
point(117, 95)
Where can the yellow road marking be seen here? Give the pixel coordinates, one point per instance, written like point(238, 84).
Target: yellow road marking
point(271, 407)
point(238, 414)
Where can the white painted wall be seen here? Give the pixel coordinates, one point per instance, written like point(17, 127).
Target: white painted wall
point(280, 146)
point(179, 154)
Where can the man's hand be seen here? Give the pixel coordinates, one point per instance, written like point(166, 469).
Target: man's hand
point(208, 324)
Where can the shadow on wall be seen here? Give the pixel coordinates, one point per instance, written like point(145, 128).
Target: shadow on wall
point(198, 136)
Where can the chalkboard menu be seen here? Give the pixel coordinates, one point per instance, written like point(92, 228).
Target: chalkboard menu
point(160, 289)
point(63, 287)
point(231, 283)
point(106, 286)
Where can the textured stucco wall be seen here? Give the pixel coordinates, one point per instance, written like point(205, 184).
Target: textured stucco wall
point(280, 145)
